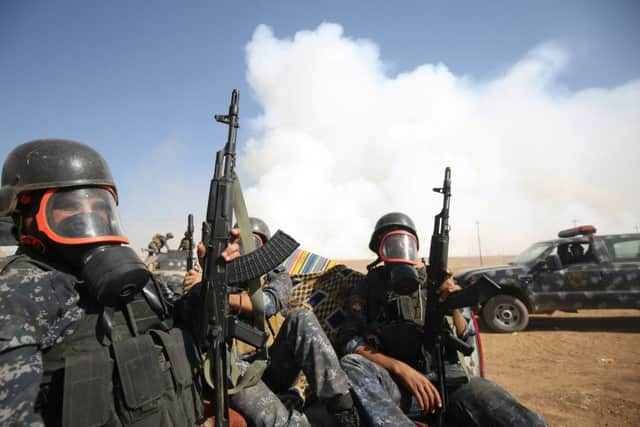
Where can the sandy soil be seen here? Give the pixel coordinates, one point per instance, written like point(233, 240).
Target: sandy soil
point(576, 369)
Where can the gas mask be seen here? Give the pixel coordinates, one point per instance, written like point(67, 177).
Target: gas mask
point(113, 273)
point(82, 227)
point(399, 251)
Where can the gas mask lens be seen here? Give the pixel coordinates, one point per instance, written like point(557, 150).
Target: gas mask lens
point(80, 216)
point(399, 247)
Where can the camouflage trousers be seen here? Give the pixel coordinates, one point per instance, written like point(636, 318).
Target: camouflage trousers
point(301, 344)
point(478, 403)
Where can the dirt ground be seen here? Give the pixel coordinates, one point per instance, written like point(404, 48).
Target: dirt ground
point(575, 369)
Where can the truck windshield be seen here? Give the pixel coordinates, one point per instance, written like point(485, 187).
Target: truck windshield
point(532, 253)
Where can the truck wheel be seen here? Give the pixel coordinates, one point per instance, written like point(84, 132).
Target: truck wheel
point(505, 313)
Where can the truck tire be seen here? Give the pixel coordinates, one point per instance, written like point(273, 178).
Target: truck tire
point(505, 313)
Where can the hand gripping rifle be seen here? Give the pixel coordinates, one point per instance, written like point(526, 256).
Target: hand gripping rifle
point(437, 334)
point(218, 327)
point(188, 237)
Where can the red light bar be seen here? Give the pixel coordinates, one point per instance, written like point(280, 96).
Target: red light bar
point(584, 230)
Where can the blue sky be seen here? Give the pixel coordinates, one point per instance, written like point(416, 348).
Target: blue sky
point(140, 81)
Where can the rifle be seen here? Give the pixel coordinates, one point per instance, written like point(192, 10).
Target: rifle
point(188, 236)
point(437, 335)
point(218, 327)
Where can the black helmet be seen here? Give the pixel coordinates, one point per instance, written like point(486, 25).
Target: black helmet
point(260, 227)
point(50, 163)
point(389, 222)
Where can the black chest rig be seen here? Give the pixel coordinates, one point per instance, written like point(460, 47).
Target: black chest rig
point(396, 320)
point(123, 366)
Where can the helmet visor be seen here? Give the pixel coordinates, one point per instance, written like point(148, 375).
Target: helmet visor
point(80, 216)
point(399, 246)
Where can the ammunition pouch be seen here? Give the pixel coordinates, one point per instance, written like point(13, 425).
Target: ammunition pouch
point(88, 390)
point(148, 382)
point(154, 383)
point(404, 308)
point(140, 379)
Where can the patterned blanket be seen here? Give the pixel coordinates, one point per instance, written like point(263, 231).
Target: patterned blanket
point(322, 286)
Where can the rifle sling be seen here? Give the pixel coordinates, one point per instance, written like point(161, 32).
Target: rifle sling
point(244, 270)
point(255, 288)
point(254, 372)
point(239, 380)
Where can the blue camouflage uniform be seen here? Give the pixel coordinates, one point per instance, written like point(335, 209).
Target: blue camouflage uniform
point(40, 307)
point(301, 345)
point(43, 309)
point(37, 310)
point(383, 400)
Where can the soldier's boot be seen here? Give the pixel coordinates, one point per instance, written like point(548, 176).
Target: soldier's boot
point(344, 410)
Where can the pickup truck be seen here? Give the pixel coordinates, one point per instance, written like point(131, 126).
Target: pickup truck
point(579, 270)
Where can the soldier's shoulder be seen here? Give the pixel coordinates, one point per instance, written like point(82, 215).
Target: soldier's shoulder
point(23, 268)
point(36, 305)
point(24, 281)
point(362, 285)
point(19, 269)
point(373, 275)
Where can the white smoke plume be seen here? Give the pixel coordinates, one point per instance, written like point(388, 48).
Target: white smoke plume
point(342, 141)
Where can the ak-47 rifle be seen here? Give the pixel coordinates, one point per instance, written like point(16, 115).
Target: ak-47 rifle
point(437, 334)
point(218, 327)
point(188, 237)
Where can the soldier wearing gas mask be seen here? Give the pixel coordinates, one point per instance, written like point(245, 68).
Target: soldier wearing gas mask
point(86, 333)
point(382, 335)
point(299, 344)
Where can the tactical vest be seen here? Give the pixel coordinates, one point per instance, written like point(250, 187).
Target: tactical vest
point(395, 320)
point(121, 367)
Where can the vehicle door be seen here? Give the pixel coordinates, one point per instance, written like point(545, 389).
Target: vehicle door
point(546, 281)
point(622, 272)
point(584, 280)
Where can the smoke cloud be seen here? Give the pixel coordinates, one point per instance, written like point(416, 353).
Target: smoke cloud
point(342, 140)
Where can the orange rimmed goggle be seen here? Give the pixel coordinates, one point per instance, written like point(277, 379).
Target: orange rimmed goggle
point(399, 246)
point(78, 216)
